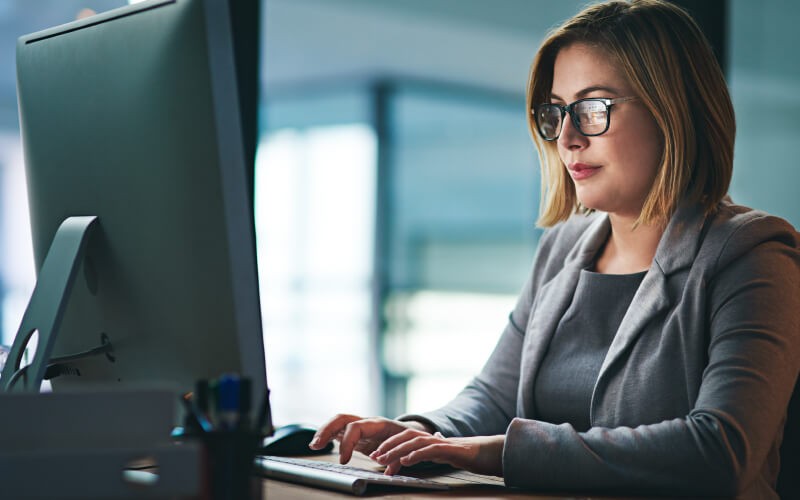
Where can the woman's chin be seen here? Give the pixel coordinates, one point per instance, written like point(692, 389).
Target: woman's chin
point(592, 202)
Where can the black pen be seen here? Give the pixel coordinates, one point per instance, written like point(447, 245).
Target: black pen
point(265, 416)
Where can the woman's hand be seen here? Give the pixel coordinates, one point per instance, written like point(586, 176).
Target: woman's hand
point(481, 454)
point(355, 433)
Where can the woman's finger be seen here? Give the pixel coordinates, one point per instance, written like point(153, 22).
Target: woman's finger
point(396, 440)
point(331, 430)
point(439, 452)
point(393, 468)
point(360, 432)
point(414, 442)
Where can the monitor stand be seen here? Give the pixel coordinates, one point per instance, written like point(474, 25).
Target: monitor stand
point(46, 307)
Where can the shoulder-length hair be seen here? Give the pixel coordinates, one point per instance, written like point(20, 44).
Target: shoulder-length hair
point(673, 71)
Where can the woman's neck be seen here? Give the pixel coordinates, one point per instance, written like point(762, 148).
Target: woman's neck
point(628, 250)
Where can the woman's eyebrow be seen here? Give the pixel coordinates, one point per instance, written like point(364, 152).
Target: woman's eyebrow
point(588, 90)
point(597, 88)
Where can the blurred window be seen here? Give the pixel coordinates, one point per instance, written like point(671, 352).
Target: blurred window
point(463, 196)
point(315, 198)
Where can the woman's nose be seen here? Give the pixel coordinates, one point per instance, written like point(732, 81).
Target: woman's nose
point(570, 137)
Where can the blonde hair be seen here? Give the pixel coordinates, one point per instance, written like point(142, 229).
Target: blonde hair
point(673, 71)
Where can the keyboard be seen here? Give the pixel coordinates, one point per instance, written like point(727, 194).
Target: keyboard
point(335, 476)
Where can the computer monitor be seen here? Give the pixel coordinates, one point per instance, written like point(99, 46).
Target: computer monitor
point(131, 116)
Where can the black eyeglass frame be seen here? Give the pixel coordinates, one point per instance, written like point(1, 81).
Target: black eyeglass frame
point(568, 109)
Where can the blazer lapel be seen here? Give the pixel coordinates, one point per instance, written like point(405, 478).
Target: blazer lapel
point(676, 250)
point(552, 301)
point(650, 299)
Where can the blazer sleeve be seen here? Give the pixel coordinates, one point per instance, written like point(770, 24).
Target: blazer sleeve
point(720, 447)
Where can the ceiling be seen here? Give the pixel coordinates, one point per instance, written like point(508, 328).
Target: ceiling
point(470, 42)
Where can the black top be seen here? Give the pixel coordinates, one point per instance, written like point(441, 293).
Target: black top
point(581, 342)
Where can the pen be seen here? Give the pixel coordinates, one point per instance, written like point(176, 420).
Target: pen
point(213, 397)
point(192, 422)
point(228, 402)
point(200, 397)
point(245, 403)
point(264, 422)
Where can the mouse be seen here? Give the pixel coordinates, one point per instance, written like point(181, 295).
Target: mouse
point(292, 440)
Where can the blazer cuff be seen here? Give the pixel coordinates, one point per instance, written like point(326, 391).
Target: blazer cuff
point(534, 455)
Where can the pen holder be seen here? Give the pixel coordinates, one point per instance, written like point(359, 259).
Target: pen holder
point(229, 464)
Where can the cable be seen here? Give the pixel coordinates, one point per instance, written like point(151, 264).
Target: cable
point(54, 366)
point(96, 351)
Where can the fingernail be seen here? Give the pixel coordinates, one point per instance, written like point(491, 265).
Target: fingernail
point(313, 442)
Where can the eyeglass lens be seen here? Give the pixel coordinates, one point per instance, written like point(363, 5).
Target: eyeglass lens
point(590, 117)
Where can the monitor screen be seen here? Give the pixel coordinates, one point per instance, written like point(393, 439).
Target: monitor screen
point(132, 117)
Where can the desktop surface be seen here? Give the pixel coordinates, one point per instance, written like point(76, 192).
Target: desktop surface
point(462, 485)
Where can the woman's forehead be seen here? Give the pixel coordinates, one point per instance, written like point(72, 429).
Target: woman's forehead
point(581, 69)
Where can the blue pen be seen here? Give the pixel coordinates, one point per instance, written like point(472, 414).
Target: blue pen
point(228, 407)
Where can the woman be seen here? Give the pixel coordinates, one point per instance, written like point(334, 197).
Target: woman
point(657, 342)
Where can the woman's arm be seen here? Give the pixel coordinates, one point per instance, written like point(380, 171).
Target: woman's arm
point(721, 446)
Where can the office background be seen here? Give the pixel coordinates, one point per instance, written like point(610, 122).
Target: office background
point(396, 186)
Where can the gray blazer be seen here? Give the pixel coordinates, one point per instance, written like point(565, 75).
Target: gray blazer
point(692, 395)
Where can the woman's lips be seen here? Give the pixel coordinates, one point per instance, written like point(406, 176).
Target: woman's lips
point(580, 171)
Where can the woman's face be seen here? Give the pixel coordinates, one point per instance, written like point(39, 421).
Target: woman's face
point(612, 172)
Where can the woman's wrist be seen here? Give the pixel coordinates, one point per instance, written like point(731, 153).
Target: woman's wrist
point(419, 426)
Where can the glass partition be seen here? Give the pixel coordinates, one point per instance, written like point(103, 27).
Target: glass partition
point(314, 202)
point(463, 194)
point(395, 226)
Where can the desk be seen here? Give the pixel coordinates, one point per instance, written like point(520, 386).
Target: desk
point(461, 488)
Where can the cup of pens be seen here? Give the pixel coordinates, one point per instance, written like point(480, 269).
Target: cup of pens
point(218, 413)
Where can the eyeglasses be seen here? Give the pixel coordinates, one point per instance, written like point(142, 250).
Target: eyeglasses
point(590, 116)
